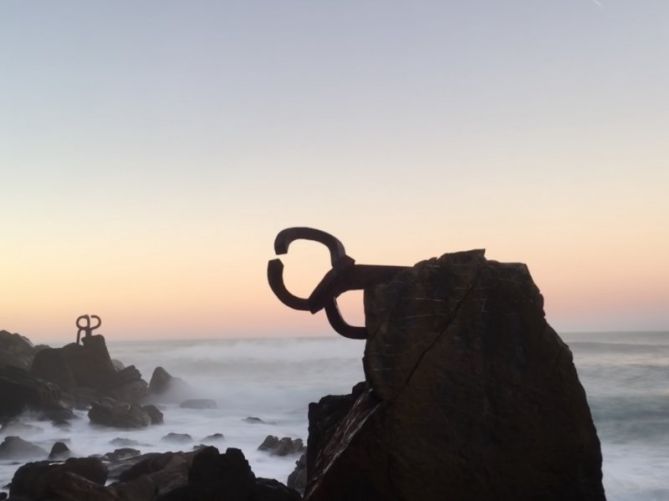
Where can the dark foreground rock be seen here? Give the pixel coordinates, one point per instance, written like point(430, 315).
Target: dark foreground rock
point(471, 396)
point(43, 480)
point(228, 476)
point(298, 478)
point(281, 446)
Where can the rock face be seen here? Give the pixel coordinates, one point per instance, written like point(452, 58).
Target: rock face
point(471, 396)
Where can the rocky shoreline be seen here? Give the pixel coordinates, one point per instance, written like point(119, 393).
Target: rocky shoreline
point(469, 395)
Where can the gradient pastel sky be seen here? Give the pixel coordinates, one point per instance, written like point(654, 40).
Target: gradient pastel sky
point(150, 151)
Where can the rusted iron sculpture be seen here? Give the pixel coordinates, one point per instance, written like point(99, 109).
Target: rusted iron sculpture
point(86, 327)
point(344, 276)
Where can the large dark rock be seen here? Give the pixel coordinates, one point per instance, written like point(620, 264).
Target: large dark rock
point(17, 448)
point(43, 480)
point(15, 350)
point(154, 413)
point(298, 478)
point(20, 391)
point(472, 396)
point(110, 412)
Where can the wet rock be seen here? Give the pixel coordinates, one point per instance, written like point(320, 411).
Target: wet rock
point(15, 351)
point(109, 412)
point(154, 413)
point(298, 478)
point(472, 396)
point(43, 480)
point(59, 451)
point(160, 381)
point(253, 420)
point(156, 461)
point(281, 446)
point(17, 448)
point(199, 403)
point(181, 438)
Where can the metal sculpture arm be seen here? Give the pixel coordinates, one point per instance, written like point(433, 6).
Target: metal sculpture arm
point(344, 276)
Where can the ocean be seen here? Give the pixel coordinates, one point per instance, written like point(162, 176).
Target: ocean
point(626, 377)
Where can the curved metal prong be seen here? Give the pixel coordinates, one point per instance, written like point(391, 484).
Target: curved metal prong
point(93, 327)
point(289, 235)
point(339, 324)
point(275, 279)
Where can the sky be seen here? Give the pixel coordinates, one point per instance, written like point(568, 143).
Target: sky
point(150, 152)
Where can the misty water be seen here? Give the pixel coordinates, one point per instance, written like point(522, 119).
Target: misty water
point(626, 377)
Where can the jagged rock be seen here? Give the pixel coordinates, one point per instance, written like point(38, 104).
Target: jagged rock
point(215, 476)
point(154, 462)
point(20, 391)
point(59, 451)
point(109, 412)
point(154, 413)
point(177, 437)
point(43, 480)
point(15, 350)
point(281, 446)
point(472, 396)
point(298, 478)
point(17, 448)
point(199, 403)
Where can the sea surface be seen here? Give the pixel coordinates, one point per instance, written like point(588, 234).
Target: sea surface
point(626, 377)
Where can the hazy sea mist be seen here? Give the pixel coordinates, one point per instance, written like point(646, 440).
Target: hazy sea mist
point(626, 377)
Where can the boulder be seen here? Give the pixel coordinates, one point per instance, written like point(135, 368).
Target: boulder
point(90, 363)
point(253, 420)
point(472, 395)
point(110, 412)
point(121, 454)
point(43, 480)
point(199, 403)
point(214, 437)
point(15, 351)
point(154, 413)
point(281, 446)
point(59, 451)
point(123, 442)
point(17, 448)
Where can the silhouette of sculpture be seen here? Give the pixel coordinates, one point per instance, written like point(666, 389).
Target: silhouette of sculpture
point(86, 327)
point(345, 275)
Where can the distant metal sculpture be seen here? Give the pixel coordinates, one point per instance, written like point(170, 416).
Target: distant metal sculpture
point(87, 328)
point(344, 276)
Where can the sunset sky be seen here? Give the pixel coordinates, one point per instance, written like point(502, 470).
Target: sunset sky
point(150, 152)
